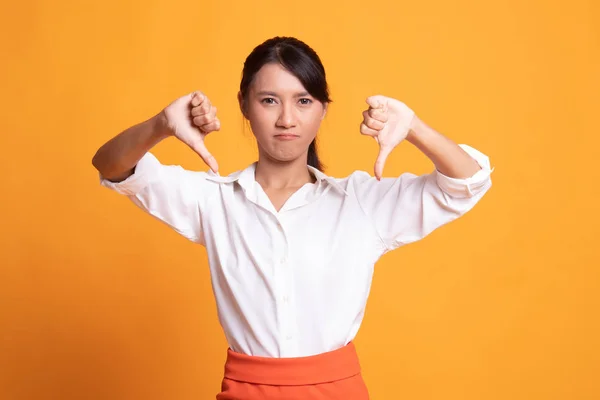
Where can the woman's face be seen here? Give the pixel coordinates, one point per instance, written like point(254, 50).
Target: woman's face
point(283, 116)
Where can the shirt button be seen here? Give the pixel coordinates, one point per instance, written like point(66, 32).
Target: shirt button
point(288, 337)
point(286, 299)
point(283, 260)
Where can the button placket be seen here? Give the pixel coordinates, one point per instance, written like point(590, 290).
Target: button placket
point(284, 305)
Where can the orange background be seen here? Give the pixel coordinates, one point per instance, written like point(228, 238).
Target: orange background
point(100, 301)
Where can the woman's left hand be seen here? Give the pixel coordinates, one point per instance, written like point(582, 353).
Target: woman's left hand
point(389, 121)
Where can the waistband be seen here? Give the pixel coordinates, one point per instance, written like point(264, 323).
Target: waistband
point(325, 367)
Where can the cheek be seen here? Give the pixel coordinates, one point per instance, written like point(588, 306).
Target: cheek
point(260, 121)
point(312, 123)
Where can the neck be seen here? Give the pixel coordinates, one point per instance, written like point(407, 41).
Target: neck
point(280, 175)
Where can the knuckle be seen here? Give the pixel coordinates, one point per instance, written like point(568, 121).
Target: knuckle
point(378, 115)
point(197, 98)
point(198, 121)
point(365, 130)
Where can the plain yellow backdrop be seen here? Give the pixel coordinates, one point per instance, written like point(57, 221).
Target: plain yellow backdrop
point(100, 301)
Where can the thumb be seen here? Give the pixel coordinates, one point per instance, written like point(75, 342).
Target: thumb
point(384, 152)
point(199, 147)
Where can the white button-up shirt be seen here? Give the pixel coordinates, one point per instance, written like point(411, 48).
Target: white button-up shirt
point(295, 282)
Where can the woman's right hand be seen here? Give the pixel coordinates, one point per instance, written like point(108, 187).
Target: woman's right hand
point(190, 118)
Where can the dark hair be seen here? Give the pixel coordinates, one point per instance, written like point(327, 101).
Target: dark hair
point(301, 61)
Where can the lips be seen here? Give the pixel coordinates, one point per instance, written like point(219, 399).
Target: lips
point(286, 136)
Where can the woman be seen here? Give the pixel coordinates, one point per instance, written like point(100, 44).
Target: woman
point(291, 250)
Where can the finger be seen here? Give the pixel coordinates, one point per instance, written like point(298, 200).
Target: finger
point(384, 152)
point(205, 118)
point(212, 126)
point(202, 109)
point(197, 98)
point(365, 130)
point(199, 147)
point(372, 123)
point(379, 114)
point(377, 101)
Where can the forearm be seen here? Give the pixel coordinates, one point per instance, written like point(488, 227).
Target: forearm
point(116, 159)
point(449, 158)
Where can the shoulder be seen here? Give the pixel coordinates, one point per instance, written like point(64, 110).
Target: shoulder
point(361, 182)
point(350, 182)
point(354, 176)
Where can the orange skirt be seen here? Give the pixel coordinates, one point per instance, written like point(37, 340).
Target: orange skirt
point(331, 375)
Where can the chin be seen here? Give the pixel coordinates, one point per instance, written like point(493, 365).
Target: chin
point(285, 157)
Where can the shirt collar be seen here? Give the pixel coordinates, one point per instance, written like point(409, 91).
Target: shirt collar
point(246, 178)
point(320, 176)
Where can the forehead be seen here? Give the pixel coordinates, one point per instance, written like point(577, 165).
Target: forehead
point(275, 78)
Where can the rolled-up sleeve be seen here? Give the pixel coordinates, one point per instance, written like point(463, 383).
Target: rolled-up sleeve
point(408, 208)
point(468, 187)
point(145, 171)
point(170, 193)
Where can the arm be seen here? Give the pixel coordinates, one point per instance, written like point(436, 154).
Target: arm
point(170, 193)
point(407, 208)
point(189, 118)
point(117, 158)
point(449, 158)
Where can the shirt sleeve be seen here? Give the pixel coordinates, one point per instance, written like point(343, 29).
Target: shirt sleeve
point(408, 208)
point(170, 193)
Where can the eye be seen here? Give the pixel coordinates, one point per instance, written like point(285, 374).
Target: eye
point(305, 101)
point(268, 100)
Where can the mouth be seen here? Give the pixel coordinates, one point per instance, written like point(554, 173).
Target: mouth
point(286, 136)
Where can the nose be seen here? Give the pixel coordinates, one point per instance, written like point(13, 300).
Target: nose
point(286, 118)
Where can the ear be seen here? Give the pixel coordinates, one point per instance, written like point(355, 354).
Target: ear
point(325, 105)
point(242, 105)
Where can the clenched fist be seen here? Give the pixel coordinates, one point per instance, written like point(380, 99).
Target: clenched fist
point(190, 118)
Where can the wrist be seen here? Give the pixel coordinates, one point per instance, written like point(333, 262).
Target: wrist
point(416, 130)
point(160, 127)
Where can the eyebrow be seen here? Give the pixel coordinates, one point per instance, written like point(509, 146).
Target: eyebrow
point(268, 93)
